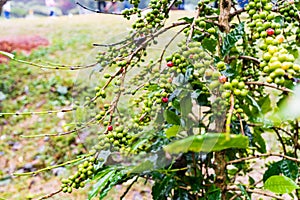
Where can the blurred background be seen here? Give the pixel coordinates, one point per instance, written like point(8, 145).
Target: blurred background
point(29, 8)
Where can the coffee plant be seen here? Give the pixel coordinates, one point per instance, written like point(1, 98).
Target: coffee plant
point(195, 120)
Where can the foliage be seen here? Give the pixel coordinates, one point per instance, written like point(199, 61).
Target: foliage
point(192, 121)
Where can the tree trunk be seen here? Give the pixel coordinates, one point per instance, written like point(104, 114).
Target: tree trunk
point(220, 157)
point(2, 2)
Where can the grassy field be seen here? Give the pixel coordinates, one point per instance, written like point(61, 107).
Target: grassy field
point(27, 88)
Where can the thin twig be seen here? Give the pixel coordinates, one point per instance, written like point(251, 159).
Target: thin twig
point(50, 195)
point(52, 167)
point(62, 67)
point(263, 155)
point(256, 191)
point(193, 25)
point(270, 86)
point(37, 112)
point(168, 44)
point(129, 187)
point(96, 11)
point(296, 138)
point(280, 139)
point(246, 58)
point(241, 124)
point(110, 45)
point(63, 133)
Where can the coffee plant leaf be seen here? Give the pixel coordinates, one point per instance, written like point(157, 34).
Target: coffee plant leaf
point(280, 184)
point(265, 104)
point(209, 44)
point(171, 117)
point(181, 194)
point(231, 38)
point(142, 167)
point(244, 192)
point(289, 169)
point(272, 170)
point(258, 141)
point(172, 131)
point(207, 143)
point(161, 189)
point(279, 20)
point(113, 180)
point(102, 178)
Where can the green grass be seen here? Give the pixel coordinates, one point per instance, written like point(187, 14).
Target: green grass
point(29, 88)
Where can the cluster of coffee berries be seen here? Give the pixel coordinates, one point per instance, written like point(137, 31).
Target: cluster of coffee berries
point(84, 172)
point(155, 94)
point(289, 11)
point(113, 139)
point(131, 11)
point(100, 117)
point(212, 77)
point(278, 63)
point(206, 8)
point(190, 55)
point(262, 17)
point(110, 58)
point(100, 92)
point(154, 18)
point(177, 63)
point(235, 87)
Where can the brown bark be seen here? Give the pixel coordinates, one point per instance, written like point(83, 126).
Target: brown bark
point(220, 157)
point(225, 6)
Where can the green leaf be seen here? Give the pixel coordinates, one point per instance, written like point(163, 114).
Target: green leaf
point(161, 189)
point(187, 19)
point(139, 143)
point(142, 167)
point(280, 184)
point(231, 38)
point(9, 55)
point(289, 169)
point(256, 108)
point(244, 192)
point(176, 104)
point(272, 170)
point(172, 131)
point(209, 44)
point(294, 51)
point(186, 105)
point(103, 177)
point(251, 180)
point(265, 104)
point(113, 180)
point(280, 20)
point(214, 194)
point(171, 117)
point(181, 194)
point(259, 141)
point(207, 143)
point(297, 4)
